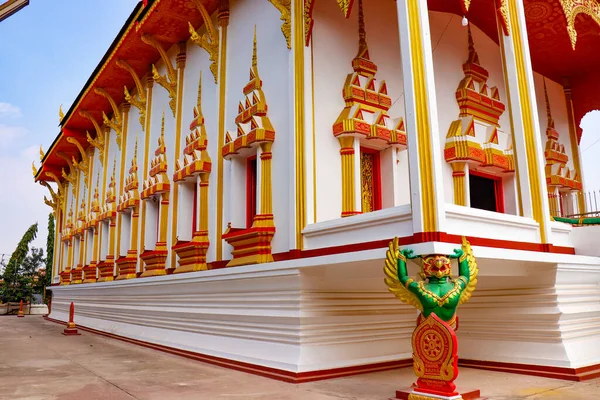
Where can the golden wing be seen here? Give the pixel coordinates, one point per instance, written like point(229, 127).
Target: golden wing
point(391, 277)
point(473, 271)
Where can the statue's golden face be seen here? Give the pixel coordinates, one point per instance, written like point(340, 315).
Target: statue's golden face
point(436, 265)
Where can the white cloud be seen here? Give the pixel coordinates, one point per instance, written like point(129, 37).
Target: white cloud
point(9, 133)
point(22, 201)
point(7, 110)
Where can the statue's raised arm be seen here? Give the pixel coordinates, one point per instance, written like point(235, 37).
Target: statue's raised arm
point(467, 269)
point(396, 275)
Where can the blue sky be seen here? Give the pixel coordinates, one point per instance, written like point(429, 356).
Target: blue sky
point(49, 49)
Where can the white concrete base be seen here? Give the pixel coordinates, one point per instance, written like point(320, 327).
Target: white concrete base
point(335, 311)
point(38, 309)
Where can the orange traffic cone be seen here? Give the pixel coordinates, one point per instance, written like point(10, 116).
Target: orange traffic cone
point(71, 329)
point(21, 314)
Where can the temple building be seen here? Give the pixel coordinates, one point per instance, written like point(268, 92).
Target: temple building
point(227, 181)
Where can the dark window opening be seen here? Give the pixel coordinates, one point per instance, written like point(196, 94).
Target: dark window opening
point(250, 191)
point(486, 192)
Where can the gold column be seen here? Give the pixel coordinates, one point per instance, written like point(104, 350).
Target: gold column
point(348, 195)
point(181, 57)
point(574, 143)
point(266, 191)
point(203, 206)
point(458, 177)
point(149, 84)
point(299, 100)
point(223, 23)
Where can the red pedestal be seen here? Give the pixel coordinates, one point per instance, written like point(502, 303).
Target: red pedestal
point(466, 395)
point(21, 314)
point(71, 330)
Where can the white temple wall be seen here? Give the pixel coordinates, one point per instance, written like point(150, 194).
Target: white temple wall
point(335, 44)
point(274, 70)
point(449, 42)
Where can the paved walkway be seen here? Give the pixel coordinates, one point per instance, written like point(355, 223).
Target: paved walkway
point(38, 363)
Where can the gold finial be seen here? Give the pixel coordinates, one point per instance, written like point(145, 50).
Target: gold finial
point(33, 168)
point(200, 91)
point(254, 52)
point(42, 154)
point(362, 33)
point(473, 56)
point(61, 114)
point(548, 110)
point(161, 140)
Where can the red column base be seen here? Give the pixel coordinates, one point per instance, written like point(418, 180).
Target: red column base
point(466, 395)
point(71, 330)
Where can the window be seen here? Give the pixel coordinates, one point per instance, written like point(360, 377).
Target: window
point(370, 180)
point(250, 190)
point(486, 192)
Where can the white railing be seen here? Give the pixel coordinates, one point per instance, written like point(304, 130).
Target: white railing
point(566, 204)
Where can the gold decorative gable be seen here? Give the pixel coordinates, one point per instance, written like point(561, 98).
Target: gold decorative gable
point(253, 125)
point(557, 172)
point(158, 181)
point(365, 115)
point(130, 197)
point(195, 157)
point(474, 138)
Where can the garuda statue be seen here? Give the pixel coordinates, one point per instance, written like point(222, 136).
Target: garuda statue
point(437, 295)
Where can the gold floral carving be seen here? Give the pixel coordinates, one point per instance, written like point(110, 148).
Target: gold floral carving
point(209, 41)
point(168, 81)
point(139, 100)
point(308, 20)
point(572, 8)
point(503, 15)
point(366, 170)
point(465, 4)
point(285, 8)
point(345, 6)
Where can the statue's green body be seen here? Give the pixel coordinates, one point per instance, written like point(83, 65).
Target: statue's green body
point(440, 296)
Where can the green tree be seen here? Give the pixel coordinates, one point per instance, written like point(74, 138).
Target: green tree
point(49, 251)
point(13, 288)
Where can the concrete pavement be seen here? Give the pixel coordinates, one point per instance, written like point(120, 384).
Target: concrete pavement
point(38, 363)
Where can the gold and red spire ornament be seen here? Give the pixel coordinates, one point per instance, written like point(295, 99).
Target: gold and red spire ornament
point(477, 138)
point(108, 213)
point(197, 165)
point(364, 119)
point(254, 130)
point(158, 187)
point(558, 175)
point(129, 204)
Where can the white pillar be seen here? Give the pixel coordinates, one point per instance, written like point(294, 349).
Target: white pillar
point(424, 148)
point(527, 134)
